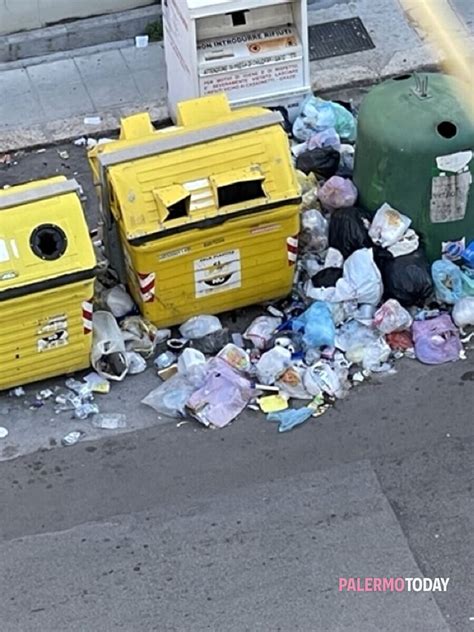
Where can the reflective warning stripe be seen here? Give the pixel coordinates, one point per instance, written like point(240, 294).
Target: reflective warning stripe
point(292, 247)
point(87, 316)
point(147, 286)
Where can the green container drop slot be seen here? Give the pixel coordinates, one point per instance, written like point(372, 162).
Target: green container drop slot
point(414, 151)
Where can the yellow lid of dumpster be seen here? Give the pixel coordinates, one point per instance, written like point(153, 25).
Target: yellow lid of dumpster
point(43, 237)
point(215, 162)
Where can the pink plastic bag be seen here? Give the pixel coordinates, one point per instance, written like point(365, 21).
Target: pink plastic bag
point(436, 340)
point(337, 192)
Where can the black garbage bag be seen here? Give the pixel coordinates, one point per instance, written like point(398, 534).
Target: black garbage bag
point(327, 277)
point(349, 230)
point(406, 278)
point(322, 161)
point(212, 343)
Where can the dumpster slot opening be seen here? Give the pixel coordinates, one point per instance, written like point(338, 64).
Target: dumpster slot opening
point(240, 192)
point(173, 202)
point(446, 129)
point(239, 18)
point(48, 242)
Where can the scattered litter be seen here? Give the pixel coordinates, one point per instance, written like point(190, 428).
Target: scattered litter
point(63, 154)
point(141, 336)
point(19, 391)
point(165, 359)
point(272, 403)
point(136, 364)
point(200, 326)
point(46, 393)
point(85, 410)
point(5, 159)
point(463, 312)
point(119, 301)
point(141, 41)
point(97, 383)
point(289, 419)
point(170, 397)
point(108, 355)
point(273, 364)
point(213, 342)
point(436, 340)
point(447, 281)
point(41, 151)
point(92, 120)
point(236, 357)
point(109, 421)
point(167, 372)
point(3, 432)
point(72, 438)
point(388, 226)
point(261, 330)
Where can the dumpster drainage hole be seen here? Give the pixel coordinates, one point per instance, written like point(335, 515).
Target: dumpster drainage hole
point(48, 242)
point(446, 129)
point(402, 77)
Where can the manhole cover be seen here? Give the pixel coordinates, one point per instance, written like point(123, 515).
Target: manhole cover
point(340, 37)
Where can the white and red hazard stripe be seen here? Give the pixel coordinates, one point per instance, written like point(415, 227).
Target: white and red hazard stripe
point(147, 286)
point(292, 248)
point(87, 316)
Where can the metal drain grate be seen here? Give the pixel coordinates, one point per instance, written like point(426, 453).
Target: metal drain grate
point(340, 37)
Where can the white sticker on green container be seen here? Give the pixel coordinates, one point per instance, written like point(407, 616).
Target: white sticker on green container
point(217, 273)
point(450, 187)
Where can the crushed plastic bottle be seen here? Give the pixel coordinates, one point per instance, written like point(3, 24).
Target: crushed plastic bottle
point(72, 438)
point(85, 410)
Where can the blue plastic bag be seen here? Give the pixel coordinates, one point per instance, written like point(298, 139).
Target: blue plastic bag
point(290, 418)
point(317, 115)
point(317, 324)
point(447, 280)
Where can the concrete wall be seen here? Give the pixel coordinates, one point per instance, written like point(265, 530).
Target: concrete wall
point(23, 15)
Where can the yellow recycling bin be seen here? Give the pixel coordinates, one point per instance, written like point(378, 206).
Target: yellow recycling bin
point(202, 217)
point(47, 270)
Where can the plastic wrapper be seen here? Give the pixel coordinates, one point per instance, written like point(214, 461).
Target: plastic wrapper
point(289, 419)
point(406, 245)
point(108, 353)
point(223, 395)
point(316, 115)
point(118, 301)
point(463, 312)
point(317, 324)
point(337, 193)
point(391, 317)
point(388, 226)
point(170, 397)
point(200, 326)
point(406, 278)
point(261, 330)
point(273, 364)
point(136, 364)
point(436, 340)
point(322, 378)
point(142, 336)
point(291, 383)
point(236, 357)
point(447, 281)
point(363, 345)
point(349, 230)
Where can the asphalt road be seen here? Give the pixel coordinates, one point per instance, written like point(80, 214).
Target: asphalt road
point(188, 529)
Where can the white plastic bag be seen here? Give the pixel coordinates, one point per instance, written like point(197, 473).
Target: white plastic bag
point(192, 364)
point(273, 364)
point(388, 226)
point(361, 279)
point(407, 244)
point(391, 316)
point(118, 301)
point(314, 233)
point(136, 364)
point(261, 330)
point(171, 396)
point(108, 353)
point(200, 326)
point(463, 312)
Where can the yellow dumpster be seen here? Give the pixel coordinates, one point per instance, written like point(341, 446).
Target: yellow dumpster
point(47, 269)
point(202, 217)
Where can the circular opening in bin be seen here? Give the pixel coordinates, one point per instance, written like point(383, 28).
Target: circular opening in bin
point(402, 77)
point(48, 242)
point(446, 129)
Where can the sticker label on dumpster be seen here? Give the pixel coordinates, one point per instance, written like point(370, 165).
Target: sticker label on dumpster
point(217, 273)
point(52, 333)
point(450, 187)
